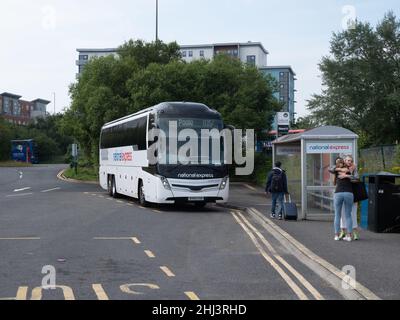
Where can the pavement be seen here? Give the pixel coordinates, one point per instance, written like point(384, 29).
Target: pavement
point(376, 257)
point(94, 247)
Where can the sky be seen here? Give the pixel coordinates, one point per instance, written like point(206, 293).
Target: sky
point(39, 38)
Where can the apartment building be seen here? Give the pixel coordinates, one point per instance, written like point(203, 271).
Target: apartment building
point(21, 112)
point(86, 54)
point(285, 77)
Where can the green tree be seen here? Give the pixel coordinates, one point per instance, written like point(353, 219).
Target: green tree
point(143, 53)
point(50, 126)
point(362, 81)
point(98, 97)
point(5, 140)
point(147, 74)
point(307, 122)
point(239, 92)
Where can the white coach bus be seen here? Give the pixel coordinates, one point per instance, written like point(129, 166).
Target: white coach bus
point(124, 158)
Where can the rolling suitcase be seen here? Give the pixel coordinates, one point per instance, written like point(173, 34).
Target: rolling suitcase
point(289, 209)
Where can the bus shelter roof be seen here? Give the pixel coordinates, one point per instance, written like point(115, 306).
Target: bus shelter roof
point(320, 133)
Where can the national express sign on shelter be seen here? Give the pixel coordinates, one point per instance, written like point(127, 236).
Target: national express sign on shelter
point(329, 147)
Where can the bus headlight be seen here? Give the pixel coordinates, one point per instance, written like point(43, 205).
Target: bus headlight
point(224, 183)
point(165, 183)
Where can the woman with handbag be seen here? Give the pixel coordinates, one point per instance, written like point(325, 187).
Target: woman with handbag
point(352, 170)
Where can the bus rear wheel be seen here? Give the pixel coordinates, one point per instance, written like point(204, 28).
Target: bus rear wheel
point(113, 187)
point(109, 185)
point(142, 196)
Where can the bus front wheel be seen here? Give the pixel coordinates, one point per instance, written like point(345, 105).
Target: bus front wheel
point(142, 196)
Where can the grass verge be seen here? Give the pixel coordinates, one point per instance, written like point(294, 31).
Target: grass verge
point(14, 164)
point(84, 174)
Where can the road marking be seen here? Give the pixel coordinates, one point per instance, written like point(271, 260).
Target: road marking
point(157, 211)
point(167, 271)
point(136, 240)
point(130, 204)
point(100, 293)
point(111, 199)
point(300, 294)
point(49, 190)
point(19, 239)
point(101, 196)
point(249, 187)
point(126, 288)
point(19, 195)
point(112, 238)
point(94, 195)
point(293, 271)
point(21, 175)
point(360, 289)
point(23, 189)
point(119, 201)
point(192, 296)
point(22, 293)
point(67, 291)
point(149, 254)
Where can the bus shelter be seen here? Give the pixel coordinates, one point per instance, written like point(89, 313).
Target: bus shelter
point(306, 158)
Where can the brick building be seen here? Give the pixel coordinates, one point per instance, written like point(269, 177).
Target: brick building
point(21, 112)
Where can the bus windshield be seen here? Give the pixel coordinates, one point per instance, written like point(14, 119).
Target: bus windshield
point(196, 124)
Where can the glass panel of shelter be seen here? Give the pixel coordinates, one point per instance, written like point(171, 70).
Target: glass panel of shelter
point(320, 185)
point(290, 157)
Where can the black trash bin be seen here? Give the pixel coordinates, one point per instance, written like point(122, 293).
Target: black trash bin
point(384, 203)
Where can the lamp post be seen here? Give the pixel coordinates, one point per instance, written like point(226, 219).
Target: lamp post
point(54, 100)
point(156, 20)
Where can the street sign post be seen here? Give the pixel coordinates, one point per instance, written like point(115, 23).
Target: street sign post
point(283, 123)
point(75, 150)
point(74, 154)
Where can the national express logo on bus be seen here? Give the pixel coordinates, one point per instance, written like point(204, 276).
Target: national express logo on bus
point(122, 156)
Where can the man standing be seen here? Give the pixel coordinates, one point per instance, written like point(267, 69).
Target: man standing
point(277, 186)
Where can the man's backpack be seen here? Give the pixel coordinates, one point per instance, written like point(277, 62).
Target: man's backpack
point(277, 182)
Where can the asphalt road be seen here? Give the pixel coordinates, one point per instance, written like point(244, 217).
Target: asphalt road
point(105, 248)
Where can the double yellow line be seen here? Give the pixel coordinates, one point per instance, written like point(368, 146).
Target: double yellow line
point(322, 268)
point(274, 259)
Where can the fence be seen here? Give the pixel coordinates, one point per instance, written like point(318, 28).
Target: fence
point(382, 158)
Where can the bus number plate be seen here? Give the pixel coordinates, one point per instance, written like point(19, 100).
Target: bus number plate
point(196, 199)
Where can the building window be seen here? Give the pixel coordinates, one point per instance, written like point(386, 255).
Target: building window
point(282, 85)
point(84, 57)
point(190, 54)
point(251, 60)
point(184, 54)
point(282, 74)
point(202, 53)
